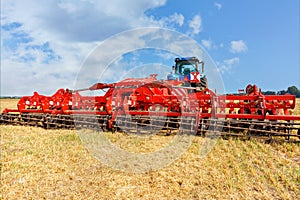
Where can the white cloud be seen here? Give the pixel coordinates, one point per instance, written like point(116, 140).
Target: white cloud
point(71, 29)
point(232, 61)
point(227, 65)
point(196, 25)
point(80, 20)
point(176, 18)
point(218, 5)
point(46, 78)
point(98, 64)
point(207, 44)
point(238, 46)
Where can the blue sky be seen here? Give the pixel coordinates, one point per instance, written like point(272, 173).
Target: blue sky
point(45, 43)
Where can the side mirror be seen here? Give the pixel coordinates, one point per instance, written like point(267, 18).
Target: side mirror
point(202, 65)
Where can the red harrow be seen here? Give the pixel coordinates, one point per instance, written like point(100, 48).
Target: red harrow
point(144, 105)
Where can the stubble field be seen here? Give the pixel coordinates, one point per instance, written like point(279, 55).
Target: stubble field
point(54, 164)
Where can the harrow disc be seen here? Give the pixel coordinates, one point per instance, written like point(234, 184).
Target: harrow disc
point(141, 124)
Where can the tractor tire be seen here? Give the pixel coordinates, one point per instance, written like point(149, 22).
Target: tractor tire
point(203, 82)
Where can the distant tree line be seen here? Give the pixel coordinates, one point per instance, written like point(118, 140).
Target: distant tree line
point(10, 97)
point(291, 90)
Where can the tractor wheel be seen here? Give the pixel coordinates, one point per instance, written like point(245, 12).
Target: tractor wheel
point(203, 82)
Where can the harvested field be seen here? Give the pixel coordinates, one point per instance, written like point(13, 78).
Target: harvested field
point(53, 164)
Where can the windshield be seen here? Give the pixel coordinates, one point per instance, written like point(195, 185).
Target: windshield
point(186, 67)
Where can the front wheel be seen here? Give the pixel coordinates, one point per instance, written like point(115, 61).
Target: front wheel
point(203, 82)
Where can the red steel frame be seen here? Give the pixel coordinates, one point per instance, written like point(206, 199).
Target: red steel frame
point(147, 96)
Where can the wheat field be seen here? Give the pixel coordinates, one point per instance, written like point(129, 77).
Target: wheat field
point(54, 164)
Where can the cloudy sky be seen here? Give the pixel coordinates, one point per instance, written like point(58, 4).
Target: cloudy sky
point(44, 44)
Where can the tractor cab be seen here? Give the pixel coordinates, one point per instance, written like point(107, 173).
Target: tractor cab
point(187, 70)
